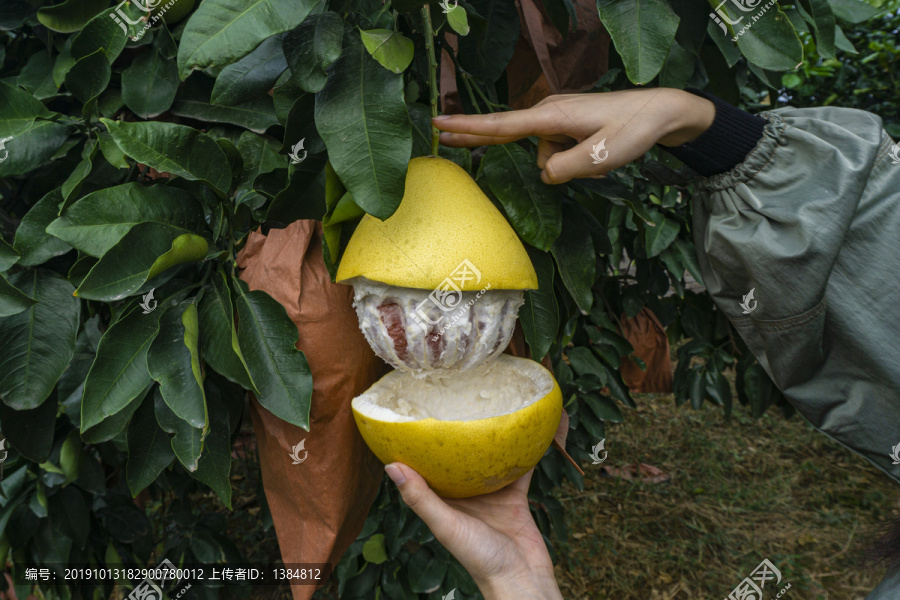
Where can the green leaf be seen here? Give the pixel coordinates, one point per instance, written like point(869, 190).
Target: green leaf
point(458, 21)
point(30, 431)
point(187, 441)
point(70, 15)
point(256, 115)
point(174, 362)
point(19, 110)
point(260, 155)
point(8, 256)
point(252, 76)
point(100, 220)
point(574, 254)
point(679, 67)
point(37, 76)
point(657, 239)
point(218, 336)
point(540, 314)
point(584, 362)
point(819, 15)
point(176, 149)
point(771, 42)
point(144, 252)
point(373, 550)
point(101, 32)
point(312, 47)
point(361, 115)
point(718, 390)
point(222, 31)
point(689, 258)
point(214, 466)
point(391, 49)
point(696, 388)
point(111, 152)
point(853, 11)
point(643, 32)
point(149, 84)
point(12, 300)
point(533, 207)
point(89, 76)
point(33, 148)
point(37, 344)
point(149, 449)
point(425, 571)
point(267, 337)
point(604, 408)
point(492, 43)
point(112, 425)
point(32, 240)
point(79, 173)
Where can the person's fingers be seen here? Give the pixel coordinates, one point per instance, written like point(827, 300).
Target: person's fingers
point(439, 517)
point(468, 140)
point(512, 124)
point(547, 148)
point(583, 160)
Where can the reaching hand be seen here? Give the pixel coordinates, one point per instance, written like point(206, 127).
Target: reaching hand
point(493, 536)
point(571, 126)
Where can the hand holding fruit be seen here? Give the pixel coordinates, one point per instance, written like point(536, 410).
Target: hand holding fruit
point(493, 536)
point(570, 126)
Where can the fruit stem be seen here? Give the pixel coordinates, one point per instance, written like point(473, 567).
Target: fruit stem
point(432, 74)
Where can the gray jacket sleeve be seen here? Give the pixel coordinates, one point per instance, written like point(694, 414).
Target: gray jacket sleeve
point(810, 222)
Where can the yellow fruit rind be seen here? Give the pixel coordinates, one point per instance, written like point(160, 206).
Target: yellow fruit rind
point(443, 220)
point(460, 459)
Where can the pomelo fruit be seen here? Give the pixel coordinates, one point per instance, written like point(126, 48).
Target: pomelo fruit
point(437, 285)
point(465, 434)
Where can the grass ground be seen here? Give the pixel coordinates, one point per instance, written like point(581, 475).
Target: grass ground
point(740, 491)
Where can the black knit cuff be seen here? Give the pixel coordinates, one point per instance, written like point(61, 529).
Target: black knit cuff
point(730, 138)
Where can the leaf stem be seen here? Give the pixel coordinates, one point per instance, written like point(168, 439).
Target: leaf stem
point(432, 75)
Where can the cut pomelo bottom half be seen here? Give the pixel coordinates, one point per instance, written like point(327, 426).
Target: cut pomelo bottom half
point(467, 433)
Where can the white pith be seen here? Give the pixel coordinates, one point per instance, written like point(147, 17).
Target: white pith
point(477, 329)
point(498, 387)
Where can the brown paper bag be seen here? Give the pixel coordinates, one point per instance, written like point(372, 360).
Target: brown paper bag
point(648, 338)
point(543, 63)
point(320, 505)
